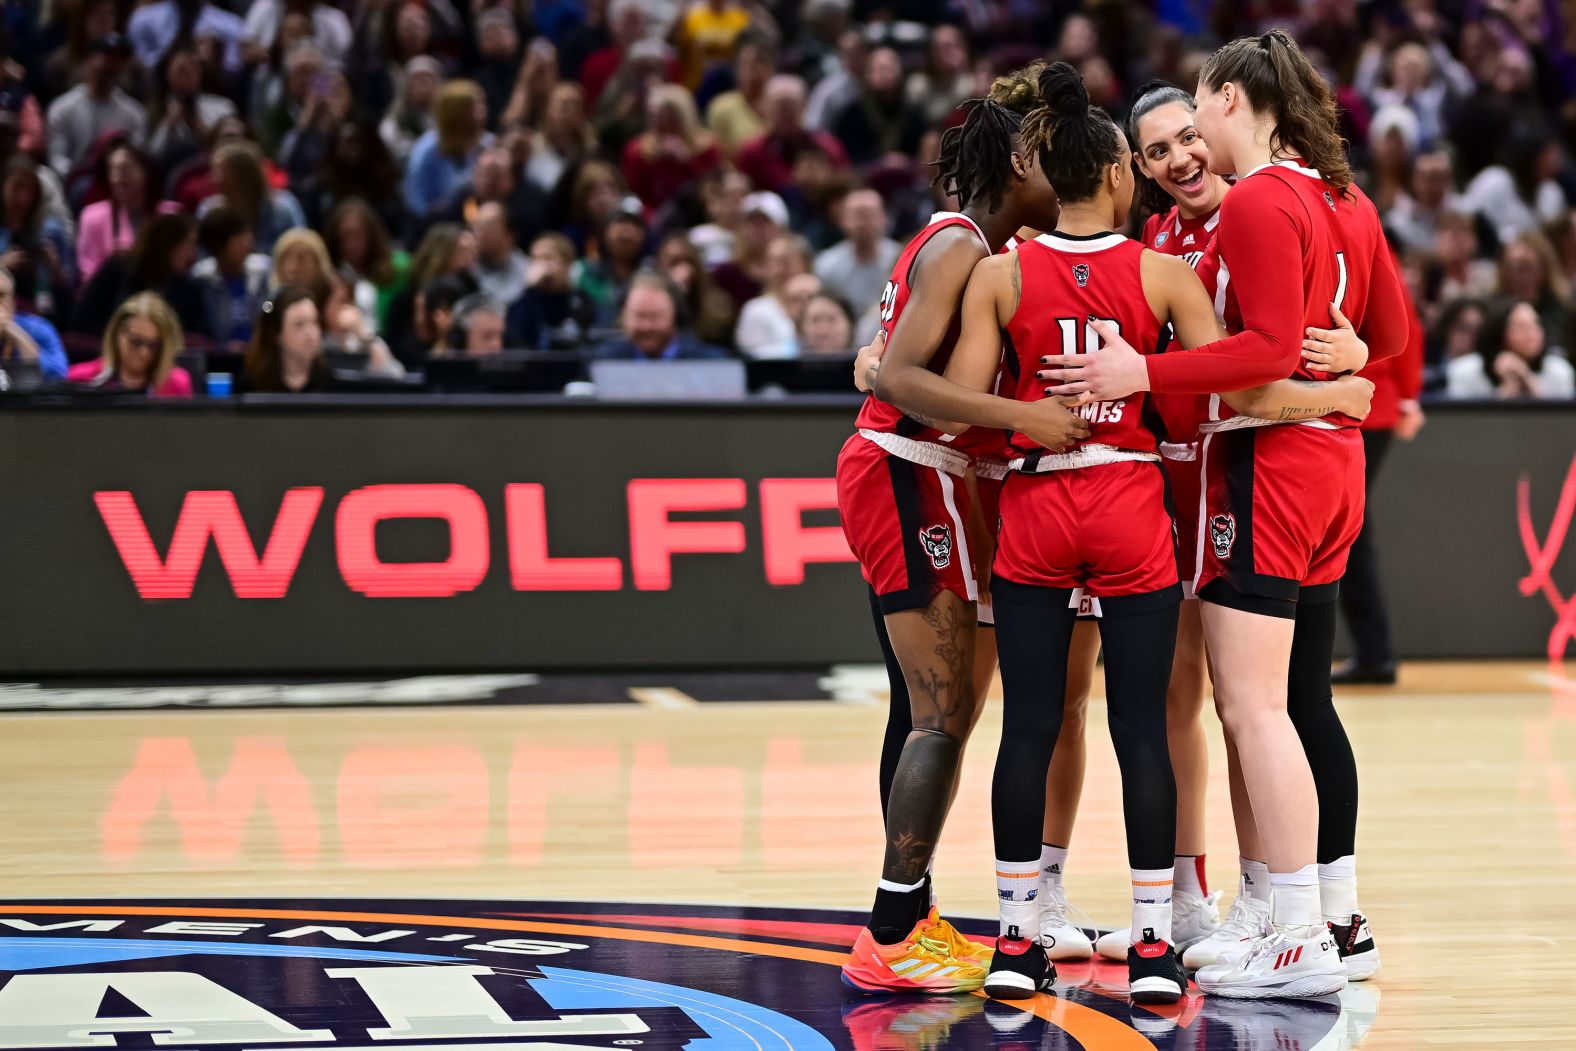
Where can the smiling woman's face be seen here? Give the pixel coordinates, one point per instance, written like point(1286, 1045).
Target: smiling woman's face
point(1173, 153)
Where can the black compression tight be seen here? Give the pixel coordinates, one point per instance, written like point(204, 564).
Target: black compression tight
point(1034, 629)
point(900, 718)
point(1312, 711)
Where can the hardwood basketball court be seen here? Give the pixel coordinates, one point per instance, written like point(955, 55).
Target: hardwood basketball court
point(1467, 837)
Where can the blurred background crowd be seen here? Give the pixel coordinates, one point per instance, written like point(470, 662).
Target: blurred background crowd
point(299, 194)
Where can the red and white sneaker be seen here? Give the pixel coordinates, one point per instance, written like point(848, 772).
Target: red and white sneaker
point(1278, 966)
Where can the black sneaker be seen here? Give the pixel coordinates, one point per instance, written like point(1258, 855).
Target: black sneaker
point(1355, 942)
point(1154, 972)
point(1019, 968)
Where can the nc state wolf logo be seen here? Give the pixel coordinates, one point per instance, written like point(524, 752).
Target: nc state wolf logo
point(1081, 274)
point(1223, 533)
point(937, 541)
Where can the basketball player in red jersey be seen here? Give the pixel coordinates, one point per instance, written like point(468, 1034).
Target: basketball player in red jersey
point(903, 507)
point(1283, 502)
point(1018, 91)
point(1093, 518)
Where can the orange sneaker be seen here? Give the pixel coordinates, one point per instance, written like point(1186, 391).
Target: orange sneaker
point(919, 963)
point(957, 943)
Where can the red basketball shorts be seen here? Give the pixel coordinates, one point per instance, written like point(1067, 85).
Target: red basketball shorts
point(1104, 529)
point(904, 523)
point(1282, 507)
point(1187, 484)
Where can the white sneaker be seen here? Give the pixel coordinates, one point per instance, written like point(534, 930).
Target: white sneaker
point(1061, 939)
point(1356, 944)
point(1192, 920)
point(1248, 919)
point(1278, 965)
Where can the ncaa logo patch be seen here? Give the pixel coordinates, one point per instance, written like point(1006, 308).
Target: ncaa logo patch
point(1223, 533)
point(1081, 274)
point(937, 542)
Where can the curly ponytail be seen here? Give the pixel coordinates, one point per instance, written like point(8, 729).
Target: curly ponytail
point(976, 156)
point(1076, 141)
point(1278, 79)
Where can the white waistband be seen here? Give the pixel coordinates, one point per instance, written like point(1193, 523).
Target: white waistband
point(994, 470)
point(1237, 423)
point(926, 454)
point(1179, 450)
point(1085, 456)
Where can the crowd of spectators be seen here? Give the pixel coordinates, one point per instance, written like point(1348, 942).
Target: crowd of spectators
point(379, 183)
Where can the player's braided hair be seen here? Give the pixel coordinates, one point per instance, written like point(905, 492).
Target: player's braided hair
point(975, 161)
point(1280, 82)
point(1076, 141)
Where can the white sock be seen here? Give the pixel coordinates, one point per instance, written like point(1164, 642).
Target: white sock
point(1255, 878)
point(1018, 889)
point(1294, 903)
point(1338, 889)
point(1053, 866)
point(1189, 874)
point(1151, 904)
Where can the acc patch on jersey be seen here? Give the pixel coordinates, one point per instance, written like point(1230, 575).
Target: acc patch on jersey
point(1162, 237)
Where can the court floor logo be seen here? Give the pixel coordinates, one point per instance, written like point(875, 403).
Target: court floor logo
point(357, 975)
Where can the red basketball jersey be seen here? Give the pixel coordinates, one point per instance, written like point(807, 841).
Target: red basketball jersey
point(1171, 233)
point(1066, 280)
point(1342, 246)
point(877, 415)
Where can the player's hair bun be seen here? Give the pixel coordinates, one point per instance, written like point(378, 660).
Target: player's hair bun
point(1019, 90)
point(1062, 88)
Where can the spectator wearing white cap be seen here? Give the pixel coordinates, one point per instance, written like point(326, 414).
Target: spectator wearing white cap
point(1392, 141)
point(744, 276)
point(410, 115)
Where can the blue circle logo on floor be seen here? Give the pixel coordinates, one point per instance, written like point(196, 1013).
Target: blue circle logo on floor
point(468, 976)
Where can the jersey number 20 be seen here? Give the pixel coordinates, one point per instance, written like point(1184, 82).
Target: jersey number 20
point(888, 303)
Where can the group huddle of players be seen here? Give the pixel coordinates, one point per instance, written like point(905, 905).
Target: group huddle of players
point(1081, 442)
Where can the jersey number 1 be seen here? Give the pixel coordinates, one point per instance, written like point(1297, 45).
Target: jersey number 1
point(1091, 338)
